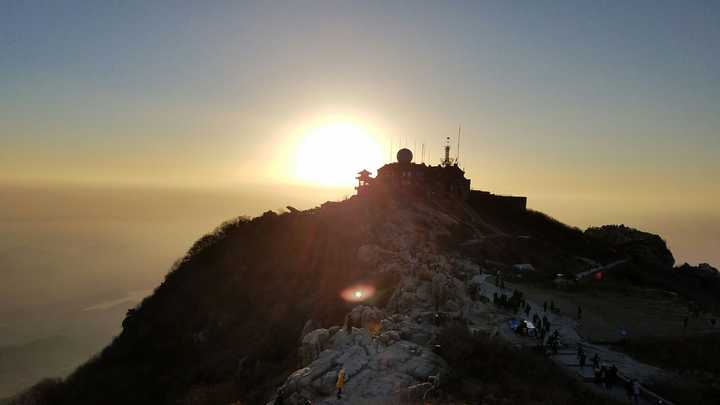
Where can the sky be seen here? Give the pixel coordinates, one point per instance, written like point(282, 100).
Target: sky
point(598, 111)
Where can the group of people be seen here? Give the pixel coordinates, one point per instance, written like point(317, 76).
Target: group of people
point(554, 342)
point(608, 377)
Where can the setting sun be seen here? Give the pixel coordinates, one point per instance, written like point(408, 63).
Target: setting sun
point(332, 154)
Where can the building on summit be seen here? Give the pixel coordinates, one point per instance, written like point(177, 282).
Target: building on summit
point(444, 180)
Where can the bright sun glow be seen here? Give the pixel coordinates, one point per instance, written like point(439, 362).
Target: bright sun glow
point(332, 155)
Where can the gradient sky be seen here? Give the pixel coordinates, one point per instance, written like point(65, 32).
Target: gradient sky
point(596, 110)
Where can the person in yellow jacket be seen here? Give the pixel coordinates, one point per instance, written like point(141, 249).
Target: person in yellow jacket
point(340, 382)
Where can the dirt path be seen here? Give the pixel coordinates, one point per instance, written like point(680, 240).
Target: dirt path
point(570, 339)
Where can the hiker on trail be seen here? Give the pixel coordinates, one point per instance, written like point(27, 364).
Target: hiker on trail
point(435, 380)
point(340, 383)
point(544, 306)
point(598, 376)
point(596, 361)
point(612, 376)
point(636, 391)
point(629, 389)
point(579, 312)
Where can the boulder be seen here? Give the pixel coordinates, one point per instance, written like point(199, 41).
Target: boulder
point(367, 317)
point(313, 343)
point(309, 326)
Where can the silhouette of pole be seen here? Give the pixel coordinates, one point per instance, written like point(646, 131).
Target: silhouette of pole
point(457, 159)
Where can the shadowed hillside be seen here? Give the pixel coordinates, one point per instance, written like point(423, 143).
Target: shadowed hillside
point(226, 322)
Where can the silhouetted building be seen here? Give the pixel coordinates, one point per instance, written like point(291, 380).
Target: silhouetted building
point(488, 201)
point(364, 180)
point(444, 180)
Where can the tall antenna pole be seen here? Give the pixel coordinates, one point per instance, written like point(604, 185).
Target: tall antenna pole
point(457, 160)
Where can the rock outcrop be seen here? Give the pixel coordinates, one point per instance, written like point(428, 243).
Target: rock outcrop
point(377, 367)
point(644, 249)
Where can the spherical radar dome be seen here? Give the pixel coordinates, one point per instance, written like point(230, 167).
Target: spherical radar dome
point(404, 155)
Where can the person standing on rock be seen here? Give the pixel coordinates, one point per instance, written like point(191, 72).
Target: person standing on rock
point(340, 383)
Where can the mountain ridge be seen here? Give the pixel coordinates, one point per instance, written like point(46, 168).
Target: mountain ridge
point(225, 323)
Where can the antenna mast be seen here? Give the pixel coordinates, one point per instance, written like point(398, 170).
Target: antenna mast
point(447, 161)
point(457, 159)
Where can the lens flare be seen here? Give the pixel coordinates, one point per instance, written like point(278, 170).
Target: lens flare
point(357, 293)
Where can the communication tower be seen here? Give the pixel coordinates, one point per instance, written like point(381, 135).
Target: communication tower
point(447, 161)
